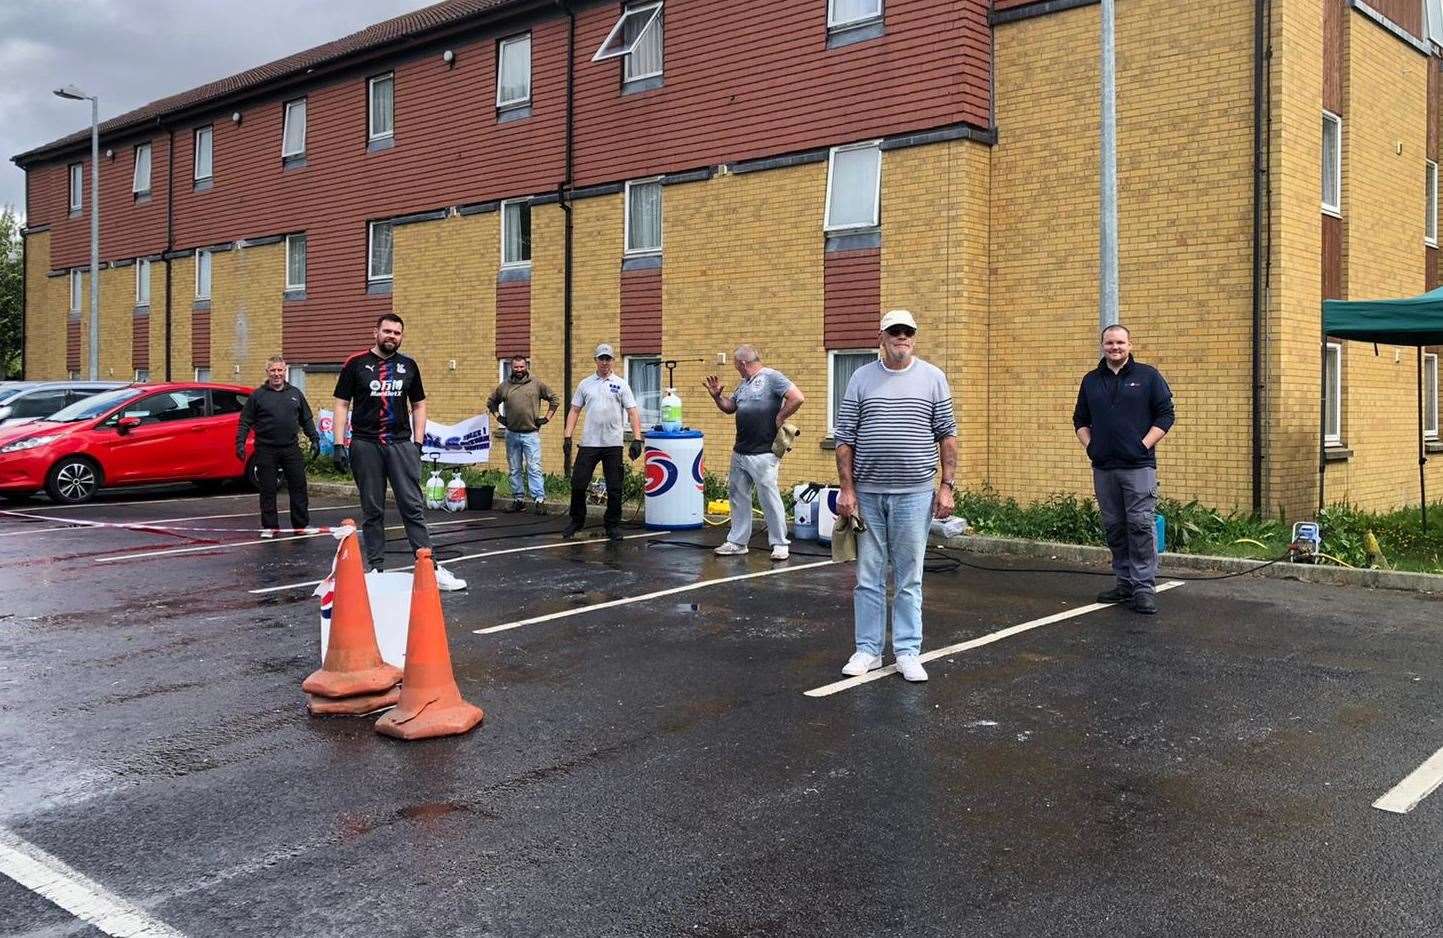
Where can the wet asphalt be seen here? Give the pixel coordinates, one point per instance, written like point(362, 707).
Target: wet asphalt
point(655, 769)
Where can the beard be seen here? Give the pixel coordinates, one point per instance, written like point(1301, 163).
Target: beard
point(388, 346)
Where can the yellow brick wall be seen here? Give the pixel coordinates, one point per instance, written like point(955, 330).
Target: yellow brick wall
point(245, 317)
point(182, 289)
point(1185, 197)
point(47, 300)
point(117, 306)
point(1386, 87)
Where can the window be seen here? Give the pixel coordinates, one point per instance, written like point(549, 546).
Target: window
point(513, 72)
point(142, 282)
point(76, 289)
point(296, 375)
point(381, 97)
point(1333, 395)
point(202, 153)
point(295, 262)
point(1332, 163)
point(845, 13)
point(503, 367)
point(142, 375)
point(39, 404)
point(202, 374)
point(637, 36)
point(643, 373)
point(643, 217)
point(378, 265)
point(854, 187)
point(1433, 21)
point(77, 187)
point(202, 276)
point(1430, 395)
point(1430, 220)
point(840, 368)
point(516, 233)
point(227, 402)
point(166, 407)
point(293, 135)
point(140, 179)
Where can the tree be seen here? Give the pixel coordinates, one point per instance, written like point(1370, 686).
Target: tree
point(12, 274)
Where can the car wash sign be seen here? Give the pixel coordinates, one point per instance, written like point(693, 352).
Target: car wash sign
point(460, 444)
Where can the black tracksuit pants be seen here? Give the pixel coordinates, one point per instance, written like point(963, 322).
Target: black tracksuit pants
point(586, 459)
point(372, 466)
point(289, 460)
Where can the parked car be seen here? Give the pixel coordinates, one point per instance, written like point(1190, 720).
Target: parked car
point(135, 435)
point(24, 401)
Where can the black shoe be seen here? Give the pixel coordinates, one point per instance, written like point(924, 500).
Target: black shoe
point(1118, 594)
point(568, 532)
point(613, 534)
point(1145, 602)
point(517, 505)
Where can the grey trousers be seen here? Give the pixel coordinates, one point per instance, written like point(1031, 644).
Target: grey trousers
point(372, 466)
point(758, 470)
point(1127, 499)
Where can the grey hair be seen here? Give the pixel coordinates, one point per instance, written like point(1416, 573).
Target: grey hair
point(1117, 325)
point(746, 354)
point(275, 360)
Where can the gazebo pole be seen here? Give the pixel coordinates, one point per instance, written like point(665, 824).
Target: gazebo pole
point(1422, 448)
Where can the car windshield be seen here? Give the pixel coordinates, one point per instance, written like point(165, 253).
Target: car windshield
point(93, 406)
point(7, 393)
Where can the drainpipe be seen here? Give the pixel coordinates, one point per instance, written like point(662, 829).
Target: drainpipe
point(563, 191)
point(169, 236)
point(1259, 193)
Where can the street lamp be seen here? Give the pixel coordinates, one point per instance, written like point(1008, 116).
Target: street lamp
point(73, 93)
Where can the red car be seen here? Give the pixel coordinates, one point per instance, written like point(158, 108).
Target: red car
point(138, 435)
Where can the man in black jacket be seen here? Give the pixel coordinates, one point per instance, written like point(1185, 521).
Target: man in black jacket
point(279, 413)
point(1123, 409)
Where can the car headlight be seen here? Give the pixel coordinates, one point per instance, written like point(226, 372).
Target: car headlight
point(29, 443)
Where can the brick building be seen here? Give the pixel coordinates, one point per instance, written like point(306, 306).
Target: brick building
point(518, 176)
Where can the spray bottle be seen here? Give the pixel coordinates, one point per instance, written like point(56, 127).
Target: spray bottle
point(456, 493)
point(435, 489)
point(671, 411)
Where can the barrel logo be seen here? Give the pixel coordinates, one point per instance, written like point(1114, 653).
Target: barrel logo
point(832, 500)
point(661, 472)
point(698, 473)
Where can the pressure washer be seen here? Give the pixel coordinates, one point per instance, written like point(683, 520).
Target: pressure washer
point(1307, 542)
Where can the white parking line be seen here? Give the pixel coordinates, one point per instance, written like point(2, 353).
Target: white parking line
point(81, 896)
point(565, 613)
point(80, 524)
point(489, 553)
point(1420, 783)
point(228, 545)
point(988, 639)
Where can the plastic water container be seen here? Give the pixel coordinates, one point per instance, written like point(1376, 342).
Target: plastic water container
point(435, 490)
point(456, 493)
point(674, 477)
point(390, 594)
point(827, 513)
point(804, 500)
point(671, 412)
point(1160, 525)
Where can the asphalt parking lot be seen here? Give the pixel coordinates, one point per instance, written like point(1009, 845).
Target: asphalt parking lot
point(655, 765)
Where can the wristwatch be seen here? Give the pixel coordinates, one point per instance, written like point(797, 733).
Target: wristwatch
point(951, 484)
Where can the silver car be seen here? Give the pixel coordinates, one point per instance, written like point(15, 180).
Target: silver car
point(24, 401)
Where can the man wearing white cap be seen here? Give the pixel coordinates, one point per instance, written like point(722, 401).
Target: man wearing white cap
point(608, 402)
point(893, 424)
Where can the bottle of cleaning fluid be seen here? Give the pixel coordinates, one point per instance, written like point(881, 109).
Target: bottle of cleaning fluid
point(456, 493)
point(671, 411)
point(435, 490)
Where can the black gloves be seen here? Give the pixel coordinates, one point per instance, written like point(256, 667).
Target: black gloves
point(420, 448)
point(542, 420)
point(341, 455)
point(634, 450)
point(566, 448)
point(314, 449)
point(240, 452)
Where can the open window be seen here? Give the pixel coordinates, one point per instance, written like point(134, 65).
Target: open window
point(632, 30)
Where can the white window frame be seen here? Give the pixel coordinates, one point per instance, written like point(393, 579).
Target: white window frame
point(1335, 406)
point(627, 249)
point(142, 282)
point(305, 255)
point(286, 126)
point(634, 10)
point(503, 370)
point(505, 264)
point(135, 187)
point(1430, 393)
point(203, 371)
point(500, 70)
point(1337, 208)
point(142, 375)
point(657, 22)
point(1433, 21)
point(372, 276)
point(296, 377)
point(832, 378)
point(626, 362)
point(77, 187)
point(77, 288)
point(876, 194)
point(209, 132)
point(1430, 221)
point(834, 23)
point(371, 107)
point(209, 265)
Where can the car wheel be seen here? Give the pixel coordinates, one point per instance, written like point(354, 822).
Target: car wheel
point(73, 480)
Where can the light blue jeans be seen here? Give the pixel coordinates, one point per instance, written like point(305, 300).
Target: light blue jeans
point(525, 447)
point(897, 527)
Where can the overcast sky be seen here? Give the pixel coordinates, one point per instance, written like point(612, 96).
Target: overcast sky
point(131, 52)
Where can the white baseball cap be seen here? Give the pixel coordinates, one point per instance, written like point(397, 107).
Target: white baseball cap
point(604, 351)
point(897, 317)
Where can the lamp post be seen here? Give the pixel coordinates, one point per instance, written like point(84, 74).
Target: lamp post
point(1107, 299)
point(73, 93)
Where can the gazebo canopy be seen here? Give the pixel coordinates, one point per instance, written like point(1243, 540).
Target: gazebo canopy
point(1413, 320)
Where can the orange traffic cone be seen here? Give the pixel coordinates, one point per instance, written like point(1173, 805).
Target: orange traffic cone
point(431, 704)
point(353, 664)
point(352, 706)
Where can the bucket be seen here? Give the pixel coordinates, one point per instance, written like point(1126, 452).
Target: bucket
point(804, 499)
point(827, 513)
point(478, 497)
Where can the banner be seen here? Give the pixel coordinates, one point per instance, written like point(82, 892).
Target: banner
point(458, 444)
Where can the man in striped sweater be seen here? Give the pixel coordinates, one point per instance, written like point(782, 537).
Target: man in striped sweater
point(894, 422)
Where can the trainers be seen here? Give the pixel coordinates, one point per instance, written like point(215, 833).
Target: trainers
point(780, 552)
point(269, 533)
point(613, 534)
point(515, 506)
point(1118, 594)
point(538, 507)
point(910, 667)
point(568, 532)
point(1145, 602)
point(448, 581)
point(729, 549)
point(860, 663)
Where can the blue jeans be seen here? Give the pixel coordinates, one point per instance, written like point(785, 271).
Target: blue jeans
point(897, 527)
point(525, 447)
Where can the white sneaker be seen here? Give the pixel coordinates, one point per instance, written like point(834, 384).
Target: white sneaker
point(448, 581)
point(780, 552)
point(860, 663)
point(910, 667)
point(728, 549)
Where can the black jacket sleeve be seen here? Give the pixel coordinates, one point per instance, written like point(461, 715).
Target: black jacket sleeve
point(308, 423)
point(1081, 413)
point(247, 420)
point(1162, 409)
